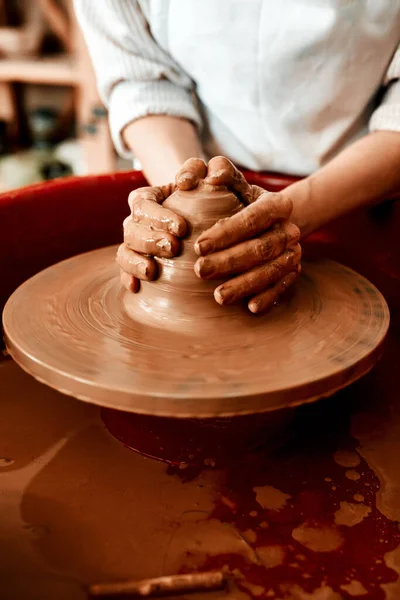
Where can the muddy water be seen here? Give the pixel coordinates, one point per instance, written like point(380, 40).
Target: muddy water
point(77, 506)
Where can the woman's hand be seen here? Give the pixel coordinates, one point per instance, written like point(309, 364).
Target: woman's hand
point(152, 230)
point(259, 245)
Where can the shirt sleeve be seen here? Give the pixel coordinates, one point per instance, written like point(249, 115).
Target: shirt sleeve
point(135, 77)
point(387, 115)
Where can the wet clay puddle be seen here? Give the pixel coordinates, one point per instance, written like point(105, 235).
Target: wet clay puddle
point(308, 515)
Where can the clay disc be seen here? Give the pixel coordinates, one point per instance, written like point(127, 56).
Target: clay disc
point(67, 327)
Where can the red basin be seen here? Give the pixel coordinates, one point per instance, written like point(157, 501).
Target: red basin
point(42, 224)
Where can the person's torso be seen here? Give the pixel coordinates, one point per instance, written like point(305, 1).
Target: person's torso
point(284, 85)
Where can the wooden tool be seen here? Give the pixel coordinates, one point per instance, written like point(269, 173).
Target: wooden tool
point(171, 584)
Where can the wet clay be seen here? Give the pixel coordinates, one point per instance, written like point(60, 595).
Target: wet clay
point(171, 350)
point(351, 514)
point(179, 300)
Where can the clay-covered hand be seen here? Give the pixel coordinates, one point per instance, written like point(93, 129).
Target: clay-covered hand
point(259, 245)
point(152, 230)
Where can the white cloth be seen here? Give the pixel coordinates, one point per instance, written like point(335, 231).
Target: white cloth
point(273, 85)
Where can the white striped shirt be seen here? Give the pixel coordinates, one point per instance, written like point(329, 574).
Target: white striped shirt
point(279, 86)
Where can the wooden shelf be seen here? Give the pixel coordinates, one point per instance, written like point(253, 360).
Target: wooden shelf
point(60, 70)
point(72, 68)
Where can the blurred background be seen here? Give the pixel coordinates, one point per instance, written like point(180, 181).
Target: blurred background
point(52, 122)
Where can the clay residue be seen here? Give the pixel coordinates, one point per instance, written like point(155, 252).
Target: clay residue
point(392, 560)
point(255, 590)
point(270, 498)
point(318, 538)
point(229, 503)
point(236, 595)
point(271, 556)
point(350, 514)
point(379, 444)
point(353, 475)
point(379, 438)
point(250, 536)
point(355, 588)
point(346, 459)
point(294, 592)
point(195, 540)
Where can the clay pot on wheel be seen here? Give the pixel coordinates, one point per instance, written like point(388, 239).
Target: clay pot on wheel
point(194, 372)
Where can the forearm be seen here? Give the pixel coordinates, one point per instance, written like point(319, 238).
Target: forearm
point(162, 144)
point(361, 175)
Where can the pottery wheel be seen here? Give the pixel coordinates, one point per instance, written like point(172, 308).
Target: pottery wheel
point(68, 327)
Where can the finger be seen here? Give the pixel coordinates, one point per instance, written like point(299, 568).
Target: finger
point(135, 264)
point(147, 212)
point(258, 279)
point(247, 223)
point(249, 254)
point(265, 300)
point(130, 283)
point(222, 171)
point(156, 243)
point(152, 194)
point(192, 171)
